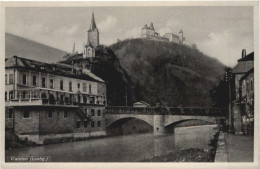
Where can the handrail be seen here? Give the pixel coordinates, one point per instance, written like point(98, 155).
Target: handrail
point(167, 111)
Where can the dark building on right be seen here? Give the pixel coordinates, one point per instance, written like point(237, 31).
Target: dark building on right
point(242, 95)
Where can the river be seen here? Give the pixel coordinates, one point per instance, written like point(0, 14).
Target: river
point(125, 148)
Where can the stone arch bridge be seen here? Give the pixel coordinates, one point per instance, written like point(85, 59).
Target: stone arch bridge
point(160, 118)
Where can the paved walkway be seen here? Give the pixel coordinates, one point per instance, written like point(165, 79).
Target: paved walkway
point(234, 148)
point(239, 148)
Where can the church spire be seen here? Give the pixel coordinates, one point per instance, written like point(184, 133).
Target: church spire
point(73, 49)
point(93, 23)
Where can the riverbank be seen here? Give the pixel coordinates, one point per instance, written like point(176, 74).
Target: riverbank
point(13, 142)
point(190, 155)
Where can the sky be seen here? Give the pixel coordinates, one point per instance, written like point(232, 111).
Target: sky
point(219, 32)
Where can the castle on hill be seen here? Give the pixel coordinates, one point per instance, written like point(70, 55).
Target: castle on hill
point(151, 34)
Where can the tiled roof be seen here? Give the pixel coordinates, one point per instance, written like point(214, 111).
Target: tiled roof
point(60, 69)
point(244, 64)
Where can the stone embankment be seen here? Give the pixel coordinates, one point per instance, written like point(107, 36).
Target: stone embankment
point(221, 152)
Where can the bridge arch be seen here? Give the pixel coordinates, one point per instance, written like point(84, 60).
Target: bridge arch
point(116, 117)
point(171, 120)
point(128, 125)
point(124, 120)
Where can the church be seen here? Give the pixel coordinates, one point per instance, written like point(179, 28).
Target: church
point(89, 48)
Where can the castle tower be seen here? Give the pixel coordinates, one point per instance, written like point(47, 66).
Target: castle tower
point(73, 50)
point(152, 30)
point(181, 36)
point(93, 34)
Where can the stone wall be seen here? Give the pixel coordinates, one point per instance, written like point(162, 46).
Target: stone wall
point(9, 122)
point(26, 125)
point(57, 123)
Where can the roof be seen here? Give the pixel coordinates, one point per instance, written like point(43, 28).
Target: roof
point(93, 25)
point(60, 69)
point(145, 27)
point(89, 44)
point(244, 64)
point(151, 26)
point(247, 57)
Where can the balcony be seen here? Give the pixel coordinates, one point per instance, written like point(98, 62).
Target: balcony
point(45, 97)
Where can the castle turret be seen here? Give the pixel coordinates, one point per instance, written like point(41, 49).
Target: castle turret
point(73, 50)
point(181, 36)
point(93, 34)
point(151, 26)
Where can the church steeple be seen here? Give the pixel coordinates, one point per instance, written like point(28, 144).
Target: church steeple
point(93, 34)
point(73, 49)
point(93, 25)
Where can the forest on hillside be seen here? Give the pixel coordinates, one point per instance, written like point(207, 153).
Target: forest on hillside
point(174, 74)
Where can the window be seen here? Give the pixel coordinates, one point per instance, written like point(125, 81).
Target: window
point(51, 83)
point(85, 124)
point(99, 112)
point(90, 88)
point(61, 85)
point(50, 114)
point(84, 99)
point(99, 123)
point(78, 124)
point(65, 114)
point(92, 124)
point(84, 87)
point(11, 95)
point(11, 79)
point(11, 113)
point(92, 112)
point(70, 86)
point(5, 96)
point(79, 100)
point(26, 114)
point(78, 85)
point(24, 78)
point(86, 111)
point(5, 79)
point(61, 98)
point(58, 113)
point(34, 80)
point(43, 82)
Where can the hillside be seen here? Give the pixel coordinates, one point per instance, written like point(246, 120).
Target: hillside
point(15, 45)
point(176, 75)
point(106, 66)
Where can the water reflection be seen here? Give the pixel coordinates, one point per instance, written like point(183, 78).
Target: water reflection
point(128, 148)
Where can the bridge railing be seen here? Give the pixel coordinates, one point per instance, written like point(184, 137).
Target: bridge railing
point(167, 111)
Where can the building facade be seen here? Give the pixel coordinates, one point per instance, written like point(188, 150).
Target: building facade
point(44, 99)
point(242, 92)
point(246, 97)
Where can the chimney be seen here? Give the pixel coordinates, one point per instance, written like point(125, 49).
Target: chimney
point(243, 53)
point(15, 57)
